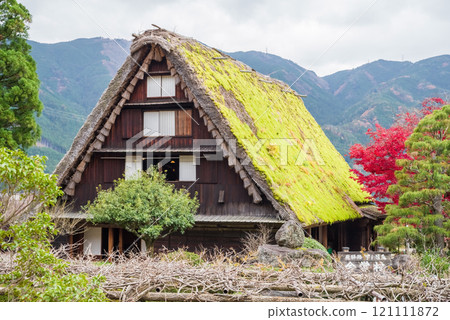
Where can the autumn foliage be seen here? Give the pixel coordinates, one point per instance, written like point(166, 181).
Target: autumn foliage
point(377, 160)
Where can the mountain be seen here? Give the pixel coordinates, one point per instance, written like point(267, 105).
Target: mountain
point(377, 91)
point(74, 74)
point(303, 81)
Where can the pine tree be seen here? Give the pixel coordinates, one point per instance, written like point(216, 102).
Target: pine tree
point(19, 84)
point(423, 185)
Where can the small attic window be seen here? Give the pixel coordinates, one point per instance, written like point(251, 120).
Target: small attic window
point(160, 86)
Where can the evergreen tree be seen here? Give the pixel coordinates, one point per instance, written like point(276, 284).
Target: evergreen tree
point(19, 84)
point(423, 185)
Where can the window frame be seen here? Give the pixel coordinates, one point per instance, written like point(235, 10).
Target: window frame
point(158, 80)
point(169, 132)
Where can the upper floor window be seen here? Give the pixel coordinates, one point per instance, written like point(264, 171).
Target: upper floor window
point(168, 123)
point(159, 123)
point(160, 86)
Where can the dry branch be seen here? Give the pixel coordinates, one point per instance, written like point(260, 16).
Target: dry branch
point(222, 277)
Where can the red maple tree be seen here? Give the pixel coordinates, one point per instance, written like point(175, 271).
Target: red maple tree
point(377, 159)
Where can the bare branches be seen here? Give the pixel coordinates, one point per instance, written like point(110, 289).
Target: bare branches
point(65, 222)
point(223, 278)
point(253, 240)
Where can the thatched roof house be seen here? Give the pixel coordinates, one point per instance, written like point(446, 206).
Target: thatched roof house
point(281, 154)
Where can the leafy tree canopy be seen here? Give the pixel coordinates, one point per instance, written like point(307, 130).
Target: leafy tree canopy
point(377, 160)
point(26, 234)
point(423, 187)
point(147, 206)
point(37, 274)
point(19, 84)
point(24, 186)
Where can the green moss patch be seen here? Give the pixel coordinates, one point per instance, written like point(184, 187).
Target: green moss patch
point(284, 142)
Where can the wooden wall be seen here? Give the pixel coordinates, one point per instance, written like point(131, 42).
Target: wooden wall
point(130, 123)
point(140, 90)
point(214, 176)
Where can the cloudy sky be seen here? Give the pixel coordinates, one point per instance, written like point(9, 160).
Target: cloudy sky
point(322, 35)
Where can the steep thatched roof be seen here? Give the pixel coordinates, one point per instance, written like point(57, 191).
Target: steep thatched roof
point(281, 151)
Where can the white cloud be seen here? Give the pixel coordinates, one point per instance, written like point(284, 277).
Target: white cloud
point(297, 30)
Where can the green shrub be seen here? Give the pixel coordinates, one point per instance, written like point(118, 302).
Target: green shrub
point(191, 257)
point(147, 206)
point(311, 243)
point(435, 263)
point(38, 275)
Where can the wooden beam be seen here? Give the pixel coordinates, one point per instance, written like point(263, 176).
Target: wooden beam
point(130, 88)
point(121, 102)
point(247, 182)
point(169, 64)
point(182, 84)
point(110, 241)
point(101, 137)
point(69, 191)
point(126, 95)
point(210, 126)
point(105, 131)
point(324, 234)
point(112, 117)
point(157, 56)
point(117, 110)
point(121, 240)
point(77, 176)
point(196, 104)
point(140, 75)
point(97, 144)
point(134, 82)
point(177, 79)
point(221, 196)
point(81, 166)
point(87, 157)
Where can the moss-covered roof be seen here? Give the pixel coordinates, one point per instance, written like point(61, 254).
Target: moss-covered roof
point(291, 160)
point(284, 142)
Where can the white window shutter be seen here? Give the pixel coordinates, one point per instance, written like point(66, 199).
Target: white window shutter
point(153, 86)
point(167, 86)
point(187, 168)
point(151, 124)
point(132, 166)
point(167, 123)
point(92, 241)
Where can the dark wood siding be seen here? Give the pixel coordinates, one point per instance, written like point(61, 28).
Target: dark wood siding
point(158, 67)
point(214, 177)
point(140, 90)
point(112, 169)
point(130, 122)
point(98, 172)
point(183, 120)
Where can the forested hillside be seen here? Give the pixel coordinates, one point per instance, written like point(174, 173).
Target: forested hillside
point(74, 74)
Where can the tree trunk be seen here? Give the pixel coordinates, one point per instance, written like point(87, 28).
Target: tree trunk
point(439, 222)
point(150, 246)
